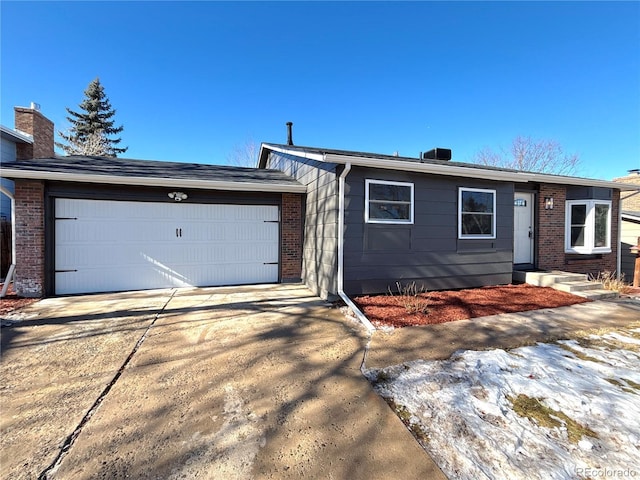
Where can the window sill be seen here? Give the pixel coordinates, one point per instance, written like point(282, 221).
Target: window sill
point(599, 251)
point(476, 251)
point(389, 222)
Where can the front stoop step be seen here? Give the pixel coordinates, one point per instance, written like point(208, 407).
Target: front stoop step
point(573, 283)
point(547, 279)
point(575, 287)
point(597, 294)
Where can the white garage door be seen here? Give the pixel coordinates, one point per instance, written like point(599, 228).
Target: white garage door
point(104, 246)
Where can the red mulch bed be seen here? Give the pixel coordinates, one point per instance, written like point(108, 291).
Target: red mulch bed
point(13, 302)
point(448, 306)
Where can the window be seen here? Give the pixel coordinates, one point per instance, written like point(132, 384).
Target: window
point(388, 202)
point(588, 226)
point(476, 213)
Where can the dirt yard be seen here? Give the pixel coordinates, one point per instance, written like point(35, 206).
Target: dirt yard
point(13, 302)
point(447, 306)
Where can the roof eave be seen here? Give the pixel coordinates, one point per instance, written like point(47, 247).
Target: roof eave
point(297, 152)
point(16, 135)
point(271, 187)
point(485, 174)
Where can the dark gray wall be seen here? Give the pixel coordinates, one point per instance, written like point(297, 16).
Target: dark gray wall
point(629, 238)
point(427, 252)
point(587, 193)
point(320, 254)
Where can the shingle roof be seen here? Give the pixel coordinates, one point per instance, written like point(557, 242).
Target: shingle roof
point(440, 167)
point(348, 153)
point(129, 171)
point(630, 213)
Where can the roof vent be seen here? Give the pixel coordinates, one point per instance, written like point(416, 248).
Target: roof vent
point(437, 154)
point(289, 133)
point(35, 106)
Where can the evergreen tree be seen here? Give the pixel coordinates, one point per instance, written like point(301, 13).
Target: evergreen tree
point(94, 121)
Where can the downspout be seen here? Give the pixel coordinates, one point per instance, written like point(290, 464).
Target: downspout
point(619, 242)
point(356, 311)
point(12, 267)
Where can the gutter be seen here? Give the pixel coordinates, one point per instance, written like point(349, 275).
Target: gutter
point(619, 241)
point(12, 267)
point(154, 181)
point(456, 170)
point(356, 311)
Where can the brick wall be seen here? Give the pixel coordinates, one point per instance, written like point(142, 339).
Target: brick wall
point(29, 197)
point(31, 121)
point(551, 236)
point(291, 225)
point(550, 228)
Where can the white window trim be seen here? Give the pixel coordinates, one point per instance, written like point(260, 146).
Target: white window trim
point(382, 220)
point(462, 236)
point(590, 228)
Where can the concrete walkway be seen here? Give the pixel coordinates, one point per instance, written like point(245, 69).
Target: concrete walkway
point(438, 342)
point(251, 382)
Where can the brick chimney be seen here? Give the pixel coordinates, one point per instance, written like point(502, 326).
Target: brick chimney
point(31, 121)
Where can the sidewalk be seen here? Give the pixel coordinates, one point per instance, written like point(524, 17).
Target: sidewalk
point(510, 330)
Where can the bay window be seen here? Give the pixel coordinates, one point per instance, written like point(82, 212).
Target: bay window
point(588, 226)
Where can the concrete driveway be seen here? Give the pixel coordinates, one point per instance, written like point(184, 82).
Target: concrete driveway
point(244, 382)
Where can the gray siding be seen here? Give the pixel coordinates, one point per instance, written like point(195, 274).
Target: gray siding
point(8, 154)
point(629, 237)
point(429, 251)
point(320, 254)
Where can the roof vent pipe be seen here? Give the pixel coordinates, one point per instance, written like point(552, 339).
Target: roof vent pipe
point(289, 133)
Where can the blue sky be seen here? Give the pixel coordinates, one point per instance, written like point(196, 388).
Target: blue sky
point(194, 81)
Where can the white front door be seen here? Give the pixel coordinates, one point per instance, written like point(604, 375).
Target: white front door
point(103, 246)
point(523, 228)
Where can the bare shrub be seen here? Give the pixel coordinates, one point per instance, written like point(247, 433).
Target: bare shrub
point(411, 297)
point(610, 281)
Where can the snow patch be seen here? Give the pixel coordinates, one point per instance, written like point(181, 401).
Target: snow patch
point(465, 407)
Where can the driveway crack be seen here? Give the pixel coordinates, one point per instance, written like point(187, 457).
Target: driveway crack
point(48, 472)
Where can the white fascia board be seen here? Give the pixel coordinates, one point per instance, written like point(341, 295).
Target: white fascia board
point(628, 216)
point(155, 182)
point(418, 167)
point(16, 135)
point(301, 153)
point(453, 170)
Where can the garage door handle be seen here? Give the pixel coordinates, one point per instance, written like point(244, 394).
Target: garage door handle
point(178, 232)
point(270, 263)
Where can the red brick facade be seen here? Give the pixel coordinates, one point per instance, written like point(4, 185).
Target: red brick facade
point(291, 247)
point(29, 228)
point(31, 121)
point(551, 236)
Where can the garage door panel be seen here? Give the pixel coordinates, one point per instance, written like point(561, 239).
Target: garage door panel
point(113, 246)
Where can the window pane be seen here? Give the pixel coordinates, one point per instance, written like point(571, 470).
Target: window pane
point(477, 202)
point(578, 214)
point(390, 211)
point(476, 224)
point(602, 225)
point(396, 193)
point(577, 236)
